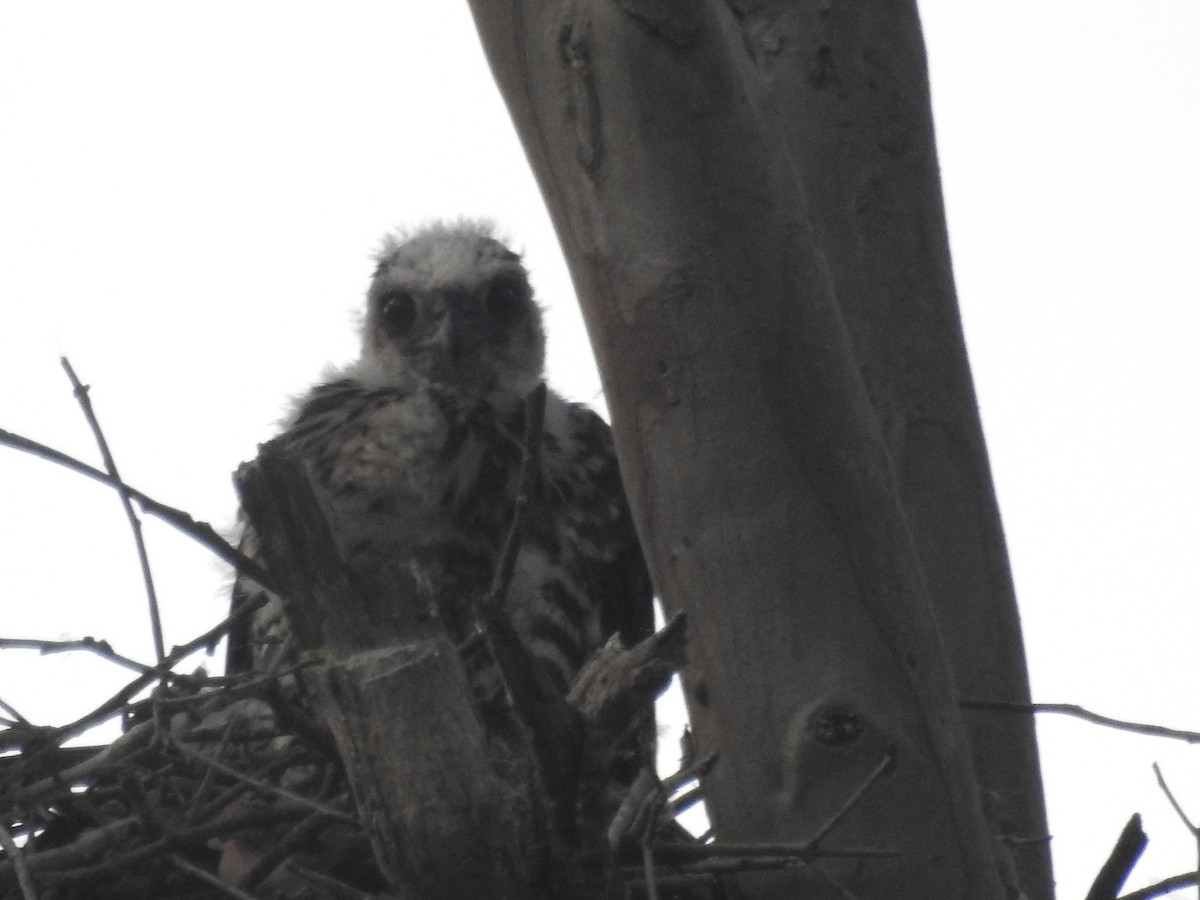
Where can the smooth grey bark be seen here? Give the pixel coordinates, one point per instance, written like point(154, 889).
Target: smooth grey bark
point(848, 86)
point(762, 481)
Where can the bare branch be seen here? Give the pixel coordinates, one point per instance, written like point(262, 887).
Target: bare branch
point(842, 891)
point(805, 852)
point(684, 802)
point(12, 712)
point(118, 701)
point(1071, 709)
point(85, 402)
point(550, 723)
point(535, 411)
point(92, 645)
point(1164, 887)
point(210, 774)
point(884, 765)
point(1162, 783)
point(263, 786)
point(697, 768)
point(100, 839)
point(134, 739)
point(201, 532)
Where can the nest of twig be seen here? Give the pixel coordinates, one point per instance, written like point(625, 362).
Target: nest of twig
point(204, 795)
point(226, 787)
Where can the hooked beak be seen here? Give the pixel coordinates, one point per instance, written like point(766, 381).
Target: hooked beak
point(460, 337)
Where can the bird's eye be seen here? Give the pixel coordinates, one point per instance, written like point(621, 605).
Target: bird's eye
point(397, 312)
point(506, 302)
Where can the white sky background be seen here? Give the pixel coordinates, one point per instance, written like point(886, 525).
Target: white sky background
point(188, 198)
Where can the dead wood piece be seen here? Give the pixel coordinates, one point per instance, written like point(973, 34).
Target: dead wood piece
point(616, 683)
point(1120, 862)
point(391, 688)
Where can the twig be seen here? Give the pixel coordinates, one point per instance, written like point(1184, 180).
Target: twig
point(636, 811)
point(1162, 783)
point(697, 768)
point(201, 532)
point(225, 799)
point(196, 872)
point(844, 892)
point(12, 712)
point(118, 701)
point(206, 780)
point(686, 801)
point(666, 871)
point(13, 852)
point(42, 862)
point(264, 786)
point(134, 739)
point(885, 764)
point(85, 402)
point(1164, 887)
point(100, 648)
point(551, 726)
point(1120, 862)
point(230, 685)
point(535, 413)
point(1071, 709)
point(804, 852)
point(690, 860)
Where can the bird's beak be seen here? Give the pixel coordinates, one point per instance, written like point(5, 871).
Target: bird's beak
point(461, 329)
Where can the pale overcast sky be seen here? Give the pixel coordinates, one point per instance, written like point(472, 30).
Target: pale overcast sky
point(189, 196)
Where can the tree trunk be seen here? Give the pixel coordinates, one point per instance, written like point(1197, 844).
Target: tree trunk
point(847, 84)
point(761, 478)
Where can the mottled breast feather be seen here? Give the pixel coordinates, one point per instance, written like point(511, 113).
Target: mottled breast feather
point(420, 476)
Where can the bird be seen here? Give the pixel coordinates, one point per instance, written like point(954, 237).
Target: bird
point(415, 448)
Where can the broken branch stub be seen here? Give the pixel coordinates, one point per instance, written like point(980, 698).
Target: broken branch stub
point(390, 686)
point(616, 682)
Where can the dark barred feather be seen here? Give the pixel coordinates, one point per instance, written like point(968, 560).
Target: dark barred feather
point(417, 476)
